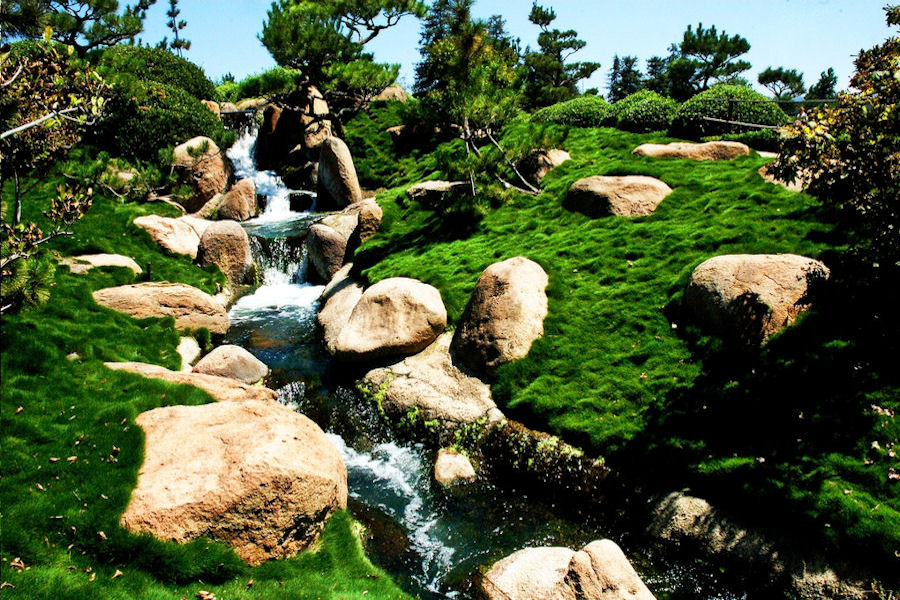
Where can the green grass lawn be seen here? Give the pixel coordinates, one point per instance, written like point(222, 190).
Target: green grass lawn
point(787, 429)
point(71, 451)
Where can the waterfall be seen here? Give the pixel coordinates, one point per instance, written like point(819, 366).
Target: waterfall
point(268, 183)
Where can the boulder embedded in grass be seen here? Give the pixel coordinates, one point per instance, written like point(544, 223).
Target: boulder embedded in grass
point(257, 476)
point(691, 151)
point(204, 168)
point(191, 308)
point(226, 244)
point(535, 166)
point(432, 194)
point(175, 235)
point(84, 263)
point(628, 196)
point(232, 361)
point(223, 389)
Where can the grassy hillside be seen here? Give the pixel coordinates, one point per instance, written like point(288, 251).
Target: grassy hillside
point(785, 433)
point(71, 452)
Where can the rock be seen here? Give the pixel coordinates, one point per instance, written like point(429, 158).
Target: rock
point(751, 296)
point(396, 316)
point(451, 468)
point(431, 194)
point(369, 215)
point(213, 106)
point(289, 135)
point(239, 203)
point(257, 476)
point(234, 362)
point(692, 521)
point(210, 210)
point(338, 184)
point(301, 201)
point(229, 107)
point(191, 308)
point(691, 151)
point(796, 186)
point(435, 386)
point(326, 243)
point(599, 571)
point(338, 299)
point(628, 196)
point(174, 235)
point(189, 350)
point(538, 163)
point(530, 574)
point(204, 170)
point(251, 103)
point(504, 315)
point(80, 265)
point(226, 244)
point(197, 224)
point(392, 92)
point(223, 389)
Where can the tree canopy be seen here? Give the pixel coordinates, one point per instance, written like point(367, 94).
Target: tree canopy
point(624, 78)
point(825, 87)
point(89, 24)
point(549, 79)
point(785, 84)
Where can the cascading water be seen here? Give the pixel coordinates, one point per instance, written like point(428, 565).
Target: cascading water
point(446, 537)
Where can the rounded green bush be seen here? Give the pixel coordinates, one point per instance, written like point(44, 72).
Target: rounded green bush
point(584, 111)
point(148, 117)
point(751, 107)
point(644, 111)
point(157, 65)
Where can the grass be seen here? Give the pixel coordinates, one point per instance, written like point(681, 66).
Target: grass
point(788, 429)
point(71, 452)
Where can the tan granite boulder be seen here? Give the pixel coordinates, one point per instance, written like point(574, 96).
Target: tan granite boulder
point(627, 196)
point(223, 389)
point(85, 262)
point(239, 203)
point(692, 151)
point(751, 296)
point(535, 165)
point(339, 298)
point(227, 245)
point(504, 316)
point(191, 308)
point(394, 317)
point(327, 241)
point(204, 169)
point(338, 185)
point(257, 476)
point(174, 235)
point(451, 467)
point(234, 362)
point(432, 194)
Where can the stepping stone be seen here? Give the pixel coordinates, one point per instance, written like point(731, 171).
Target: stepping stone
point(80, 265)
point(223, 389)
point(254, 475)
point(691, 151)
point(451, 468)
point(628, 196)
point(191, 308)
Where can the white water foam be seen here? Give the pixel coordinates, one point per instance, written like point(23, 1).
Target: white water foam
point(402, 471)
point(284, 296)
point(268, 183)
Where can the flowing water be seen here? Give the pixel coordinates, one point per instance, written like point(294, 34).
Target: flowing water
point(430, 540)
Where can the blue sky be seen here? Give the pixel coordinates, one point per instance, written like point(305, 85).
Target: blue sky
point(809, 35)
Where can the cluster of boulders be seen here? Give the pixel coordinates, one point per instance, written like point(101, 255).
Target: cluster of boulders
point(330, 242)
point(202, 165)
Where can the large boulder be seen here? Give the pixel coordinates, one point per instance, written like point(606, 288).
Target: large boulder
point(227, 245)
point(504, 315)
point(257, 476)
point(338, 184)
point(369, 215)
point(232, 361)
point(338, 299)
point(535, 165)
point(392, 93)
point(432, 384)
point(85, 262)
point(627, 196)
point(433, 194)
point(692, 151)
point(213, 106)
point(451, 467)
point(290, 136)
point(198, 224)
point(204, 169)
point(394, 317)
point(175, 235)
point(327, 241)
point(223, 389)
point(191, 308)
point(239, 203)
point(749, 297)
point(600, 571)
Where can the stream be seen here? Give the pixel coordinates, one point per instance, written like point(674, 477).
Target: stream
point(431, 541)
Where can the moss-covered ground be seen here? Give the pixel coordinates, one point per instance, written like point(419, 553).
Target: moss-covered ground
point(70, 451)
point(800, 432)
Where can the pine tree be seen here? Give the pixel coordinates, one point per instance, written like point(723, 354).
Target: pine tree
point(624, 78)
point(785, 84)
point(178, 43)
point(825, 88)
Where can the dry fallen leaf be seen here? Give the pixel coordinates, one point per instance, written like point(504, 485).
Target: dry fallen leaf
point(7, 584)
point(102, 535)
point(54, 459)
point(71, 459)
point(117, 574)
point(39, 487)
point(204, 595)
point(92, 577)
point(250, 584)
point(20, 409)
point(17, 564)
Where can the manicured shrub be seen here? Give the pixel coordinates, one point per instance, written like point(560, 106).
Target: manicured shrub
point(585, 111)
point(142, 119)
point(750, 107)
point(643, 111)
point(157, 65)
